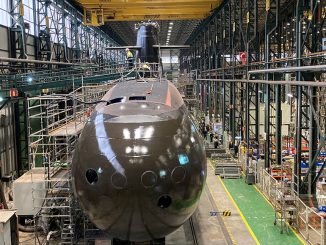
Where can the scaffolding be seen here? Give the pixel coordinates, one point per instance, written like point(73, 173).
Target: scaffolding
point(286, 205)
point(54, 125)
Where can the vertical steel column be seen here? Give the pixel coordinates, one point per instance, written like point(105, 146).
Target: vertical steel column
point(85, 44)
point(63, 33)
point(271, 24)
point(298, 139)
point(43, 42)
point(227, 51)
point(313, 140)
point(220, 41)
point(312, 93)
point(252, 95)
point(307, 12)
point(20, 108)
point(237, 47)
point(57, 31)
point(234, 44)
point(75, 39)
point(17, 30)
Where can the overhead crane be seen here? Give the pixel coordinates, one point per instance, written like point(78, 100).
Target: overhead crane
point(137, 10)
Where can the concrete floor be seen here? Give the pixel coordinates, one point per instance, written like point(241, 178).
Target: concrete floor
point(237, 229)
point(259, 214)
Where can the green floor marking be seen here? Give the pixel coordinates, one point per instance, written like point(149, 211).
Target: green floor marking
point(259, 214)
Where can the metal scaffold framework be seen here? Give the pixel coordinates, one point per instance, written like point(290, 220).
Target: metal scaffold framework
point(50, 49)
point(59, 34)
point(55, 123)
point(260, 65)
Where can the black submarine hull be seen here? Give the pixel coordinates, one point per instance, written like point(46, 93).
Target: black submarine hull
point(139, 167)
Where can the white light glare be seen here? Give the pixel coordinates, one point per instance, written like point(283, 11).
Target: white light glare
point(290, 95)
point(126, 133)
point(1, 99)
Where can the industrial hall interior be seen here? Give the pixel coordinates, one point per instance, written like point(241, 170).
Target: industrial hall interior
point(163, 122)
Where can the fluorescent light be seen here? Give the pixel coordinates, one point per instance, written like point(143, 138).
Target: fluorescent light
point(171, 23)
point(260, 91)
point(290, 95)
point(170, 27)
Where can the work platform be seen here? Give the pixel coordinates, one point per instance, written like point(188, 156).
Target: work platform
point(73, 127)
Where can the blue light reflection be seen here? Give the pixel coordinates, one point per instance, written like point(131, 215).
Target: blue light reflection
point(183, 159)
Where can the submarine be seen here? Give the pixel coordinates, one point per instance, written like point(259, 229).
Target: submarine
point(139, 166)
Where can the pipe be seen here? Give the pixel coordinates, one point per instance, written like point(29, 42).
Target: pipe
point(28, 229)
point(293, 83)
point(279, 60)
point(5, 59)
point(290, 69)
point(2, 196)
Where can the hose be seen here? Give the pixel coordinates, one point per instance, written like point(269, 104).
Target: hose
point(29, 229)
point(2, 196)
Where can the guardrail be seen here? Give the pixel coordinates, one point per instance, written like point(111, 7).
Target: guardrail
point(309, 223)
point(61, 76)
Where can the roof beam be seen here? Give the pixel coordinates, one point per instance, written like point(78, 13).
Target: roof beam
point(145, 11)
point(146, 2)
point(156, 17)
point(151, 5)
